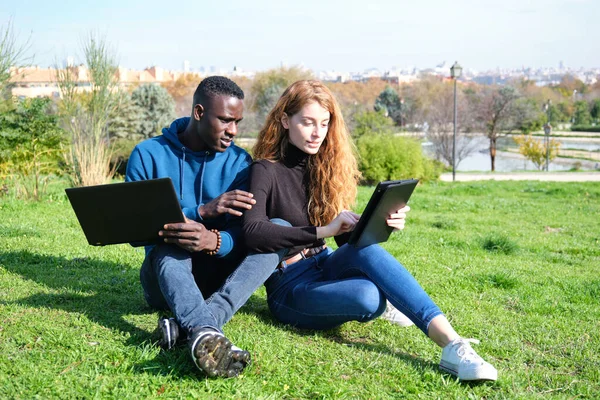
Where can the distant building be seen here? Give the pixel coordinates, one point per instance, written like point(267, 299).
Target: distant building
point(42, 82)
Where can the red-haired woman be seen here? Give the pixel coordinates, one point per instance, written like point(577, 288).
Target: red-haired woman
point(307, 175)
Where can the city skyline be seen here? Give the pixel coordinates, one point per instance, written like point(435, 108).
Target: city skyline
point(347, 36)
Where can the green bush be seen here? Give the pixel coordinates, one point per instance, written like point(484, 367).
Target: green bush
point(586, 128)
point(120, 151)
point(388, 157)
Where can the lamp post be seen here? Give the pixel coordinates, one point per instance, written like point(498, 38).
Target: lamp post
point(401, 111)
point(455, 72)
point(547, 130)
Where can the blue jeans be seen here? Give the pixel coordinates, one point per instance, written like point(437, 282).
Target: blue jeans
point(172, 278)
point(348, 284)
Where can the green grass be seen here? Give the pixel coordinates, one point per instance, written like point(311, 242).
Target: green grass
point(514, 264)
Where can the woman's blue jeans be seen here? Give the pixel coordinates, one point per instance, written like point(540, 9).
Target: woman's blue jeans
point(172, 277)
point(348, 284)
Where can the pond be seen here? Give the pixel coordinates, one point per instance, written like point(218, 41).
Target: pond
point(479, 160)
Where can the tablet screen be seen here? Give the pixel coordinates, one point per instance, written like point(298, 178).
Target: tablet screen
point(388, 197)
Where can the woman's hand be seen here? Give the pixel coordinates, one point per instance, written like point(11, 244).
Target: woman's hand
point(398, 219)
point(343, 223)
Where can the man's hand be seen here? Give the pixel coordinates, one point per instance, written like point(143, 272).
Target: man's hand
point(343, 223)
point(228, 203)
point(398, 219)
point(189, 235)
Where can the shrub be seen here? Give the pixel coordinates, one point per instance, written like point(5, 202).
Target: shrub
point(585, 128)
point(30, 145)
point(388, 157)
point(121, 149)
point(371, 122)
point(156, 107)
point(536, 150)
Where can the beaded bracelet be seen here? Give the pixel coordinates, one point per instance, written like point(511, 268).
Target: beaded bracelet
point(216, 249)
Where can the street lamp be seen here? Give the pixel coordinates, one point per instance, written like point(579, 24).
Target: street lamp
point(547, 131)
point(401, 111)
point(455, 72)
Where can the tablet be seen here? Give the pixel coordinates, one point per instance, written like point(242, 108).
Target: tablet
point(125, 212)
point(388, 197)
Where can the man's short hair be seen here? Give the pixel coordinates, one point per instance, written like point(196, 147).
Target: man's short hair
point(217, 86)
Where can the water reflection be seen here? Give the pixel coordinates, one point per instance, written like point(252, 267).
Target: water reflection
point(479, 160)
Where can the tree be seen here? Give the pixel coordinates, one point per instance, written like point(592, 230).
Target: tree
point(268, 86)
point(582, 116)
point(31, 141)
point(565, 111)
point(12, 55)
point(390, 103)
point(495, 108)
point(125, 120)
point(535, 151)
point(86, 116)
point(440, 118)
point(157, 108)
point(556, 114)
point(527, 115)
point(372, 122)
point(182, 90)
point(569, 85)
point(356, 97)
point(595, 111)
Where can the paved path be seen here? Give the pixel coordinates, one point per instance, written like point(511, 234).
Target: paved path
point(524, 176)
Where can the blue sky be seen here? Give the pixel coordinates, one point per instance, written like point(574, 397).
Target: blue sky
point(319, 34)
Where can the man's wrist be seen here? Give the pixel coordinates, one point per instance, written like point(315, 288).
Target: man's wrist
point(214, 244)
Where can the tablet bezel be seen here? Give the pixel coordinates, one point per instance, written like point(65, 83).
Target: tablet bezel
point(358, 237)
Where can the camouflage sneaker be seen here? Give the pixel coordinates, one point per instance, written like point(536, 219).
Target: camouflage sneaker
point(214, 354)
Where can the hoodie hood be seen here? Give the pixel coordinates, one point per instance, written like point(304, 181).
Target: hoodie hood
point(171, 133)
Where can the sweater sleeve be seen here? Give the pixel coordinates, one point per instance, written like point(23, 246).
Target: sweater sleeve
point(259, 233)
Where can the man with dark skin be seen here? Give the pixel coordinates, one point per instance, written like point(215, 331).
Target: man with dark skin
point(199, 271)
point(212, 128)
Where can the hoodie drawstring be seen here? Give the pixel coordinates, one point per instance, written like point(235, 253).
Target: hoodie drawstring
point(181, 175)
point(202, 176)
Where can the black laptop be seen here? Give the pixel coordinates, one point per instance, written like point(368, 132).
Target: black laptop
point(127, 212)
point(388, 197)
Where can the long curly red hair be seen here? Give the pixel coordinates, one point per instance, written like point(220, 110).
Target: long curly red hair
point(333, 171)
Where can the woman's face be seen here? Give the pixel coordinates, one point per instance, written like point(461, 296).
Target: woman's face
point(308, 127)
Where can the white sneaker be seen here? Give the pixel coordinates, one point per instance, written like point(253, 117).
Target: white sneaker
point(394, 316)
point(459, 359)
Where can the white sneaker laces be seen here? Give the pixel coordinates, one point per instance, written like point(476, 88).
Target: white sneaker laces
point(465, 352)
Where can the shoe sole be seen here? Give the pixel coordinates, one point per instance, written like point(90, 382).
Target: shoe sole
point(474, 377)
point(213, 354)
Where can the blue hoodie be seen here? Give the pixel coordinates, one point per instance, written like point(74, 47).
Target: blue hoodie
point(198, 177)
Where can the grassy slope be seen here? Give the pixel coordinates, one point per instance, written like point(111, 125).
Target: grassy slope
point(73, 322)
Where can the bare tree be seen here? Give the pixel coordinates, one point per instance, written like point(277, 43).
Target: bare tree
point(12, 54)
point(495, 108)
point(440, 117)
point(85, 115)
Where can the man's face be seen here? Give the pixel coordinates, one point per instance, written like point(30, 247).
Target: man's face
point(218, 120)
